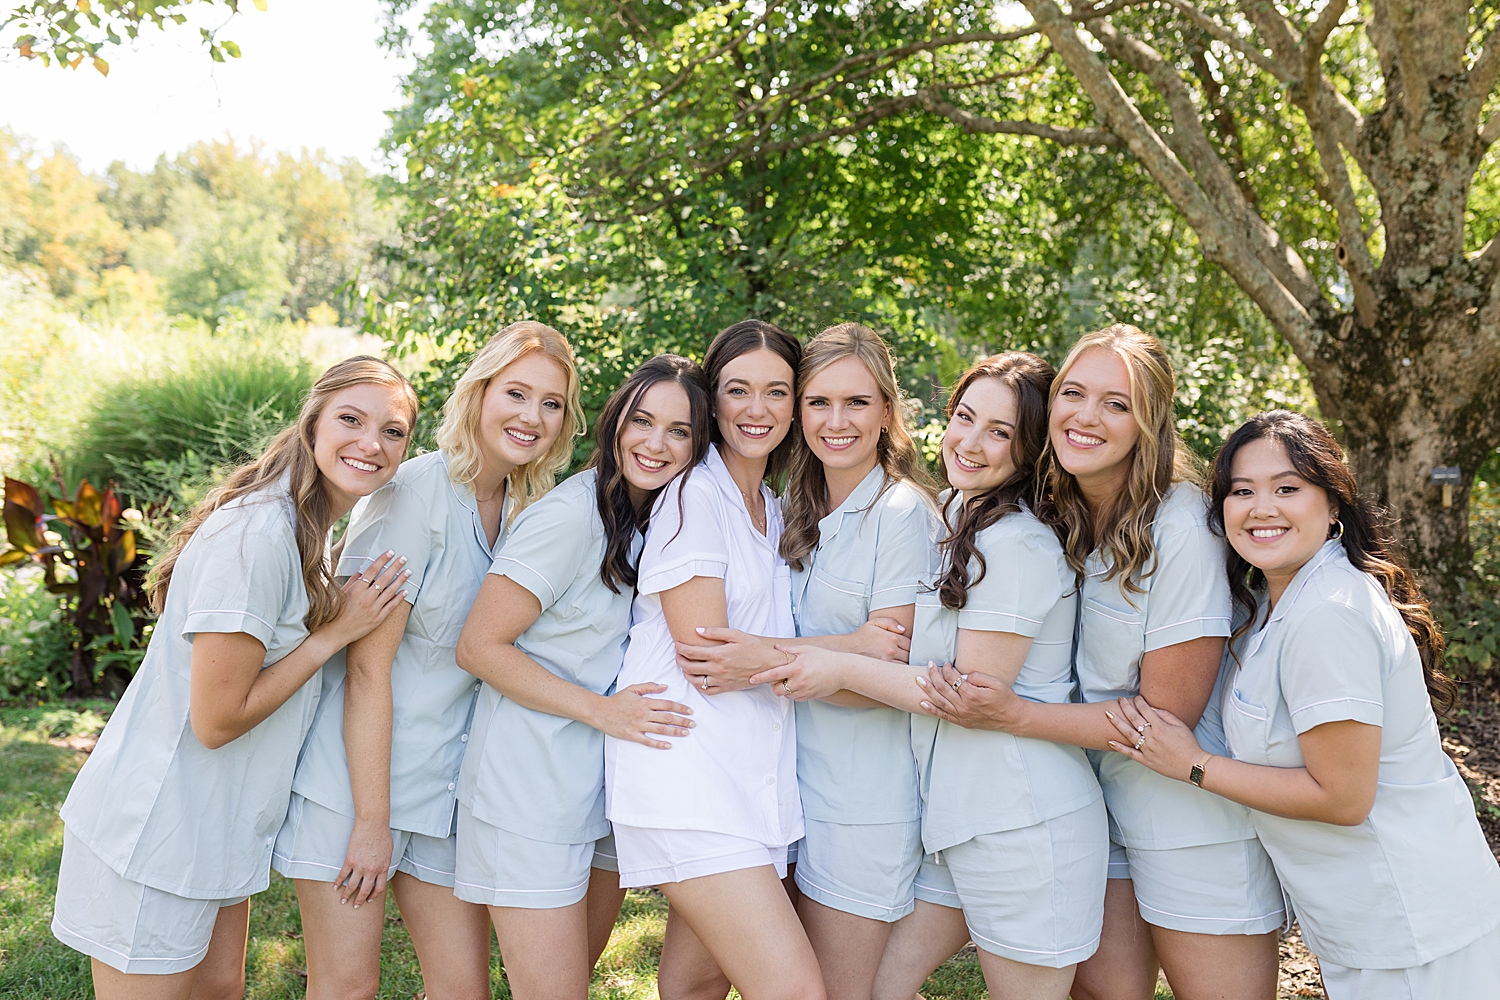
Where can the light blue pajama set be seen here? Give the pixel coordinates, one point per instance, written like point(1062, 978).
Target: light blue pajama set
point(855, 769)
point(531, 793)
point(434, 522)
point(1405, 905)
point(1193, 859)
point(1015, 827)
point(160, 832)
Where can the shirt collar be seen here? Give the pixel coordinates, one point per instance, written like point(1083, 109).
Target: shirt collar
point(1332, 549)
point(861, 500)
point(464, 494)
point(719, 472)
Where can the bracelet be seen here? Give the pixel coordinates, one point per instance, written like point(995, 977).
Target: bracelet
point(1196, 774)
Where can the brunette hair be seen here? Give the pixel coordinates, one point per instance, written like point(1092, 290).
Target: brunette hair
point(806, 499)
point(743, 337)
point(621, 517)
point(1030, 378)
point(1158, 460)
point(458, 436)
point(290, 454)
point(1317, 458)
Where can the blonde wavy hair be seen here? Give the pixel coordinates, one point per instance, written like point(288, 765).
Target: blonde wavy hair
point(290, 454)
point(1122, 529)
point(458, 436)
point(806, 496)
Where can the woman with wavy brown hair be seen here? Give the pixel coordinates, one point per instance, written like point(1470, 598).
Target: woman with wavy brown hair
point(1190, 888)
point(168, 829)
point(1333, 743)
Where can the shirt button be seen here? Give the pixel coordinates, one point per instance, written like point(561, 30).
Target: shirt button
point(771, 781)
point(464, 738)
point(450, 786)
point(776, 726)
point(477, 685)
point(270, 841)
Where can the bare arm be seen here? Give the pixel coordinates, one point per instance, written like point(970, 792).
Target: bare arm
point(738, 656)
point(1336, 784)
point(229, 693)
point(1183, 674)
point(502, 612)
point(368, 713)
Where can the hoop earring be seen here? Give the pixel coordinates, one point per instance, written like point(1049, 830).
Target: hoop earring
point(1340, 526)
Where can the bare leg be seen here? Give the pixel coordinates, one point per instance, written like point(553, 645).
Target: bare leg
point(919, 942)
point(760, 922)
point(343, 944)
point(687, 971)
point(603, 906)
point(848, 948)
point(1218, 967)
point(1125, 966)
point(1009, 980)
point(451, 937)
point(545, 951)
point(220, 976)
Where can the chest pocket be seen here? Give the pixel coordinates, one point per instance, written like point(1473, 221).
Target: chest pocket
point(1247, 726)
point(832, 605)
point(1110, 647)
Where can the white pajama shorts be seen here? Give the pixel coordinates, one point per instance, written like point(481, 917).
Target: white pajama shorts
point(1469, 973)
point(660, 857)
point(496, 867)
point(1217, 889)
point(314, 840)
point(126, 925)
point(1033, 895)
point(868, 870)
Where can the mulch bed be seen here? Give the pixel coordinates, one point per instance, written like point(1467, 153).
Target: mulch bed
point(1471, 735)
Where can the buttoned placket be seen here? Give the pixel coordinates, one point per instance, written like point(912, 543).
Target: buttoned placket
point(830, 525)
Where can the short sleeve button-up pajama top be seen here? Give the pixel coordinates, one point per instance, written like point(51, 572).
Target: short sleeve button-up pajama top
point(1414, 884)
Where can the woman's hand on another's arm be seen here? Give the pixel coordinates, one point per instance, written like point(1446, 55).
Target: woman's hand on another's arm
point(1180, 678)
point(1336, 785)
point(729, 665)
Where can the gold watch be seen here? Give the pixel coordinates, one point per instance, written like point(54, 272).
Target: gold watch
point(1196, 774)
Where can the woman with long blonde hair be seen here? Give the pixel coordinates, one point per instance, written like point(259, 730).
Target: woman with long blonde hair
point(375, 792)
point(169, 826)
point(1191, 889)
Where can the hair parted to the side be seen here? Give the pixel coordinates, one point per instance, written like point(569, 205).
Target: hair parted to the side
point(806, 498)
point(1123, 530)
point(458, 436)
point(741, 338)
point(290, 454)
point(622, 517)
point(1030, 379)
point(1317, 457)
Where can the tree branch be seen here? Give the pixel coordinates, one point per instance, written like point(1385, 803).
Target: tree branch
point(1388, 24)
point(1486, 68)
point(1221, 241)
point(971, 122)
point(1234, 41)
point(1189, 140)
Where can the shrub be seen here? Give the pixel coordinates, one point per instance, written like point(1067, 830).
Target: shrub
point(36, 642)
point(213, 408)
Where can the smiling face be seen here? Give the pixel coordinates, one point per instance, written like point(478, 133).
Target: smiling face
point(843, 415)
point(1091, 426)
point(522, 412)
point(753, 404)
point(655, 442)
point(1275, 519)
point(359, 439)
point(976, 445)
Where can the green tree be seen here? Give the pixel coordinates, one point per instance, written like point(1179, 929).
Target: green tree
point(67, 32)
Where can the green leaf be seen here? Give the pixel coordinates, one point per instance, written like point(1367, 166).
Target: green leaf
point(124, 627)
point(232, 48)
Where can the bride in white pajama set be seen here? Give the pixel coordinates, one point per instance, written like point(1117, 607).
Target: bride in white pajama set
point(710, 819)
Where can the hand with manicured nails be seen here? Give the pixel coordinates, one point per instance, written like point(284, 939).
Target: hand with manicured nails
point(974, 701)
point(881, 638)
point(1169, 747)
point(629, 714)
point(729, 665)
point(366, 864)
point(813, 672)
point(369, 597)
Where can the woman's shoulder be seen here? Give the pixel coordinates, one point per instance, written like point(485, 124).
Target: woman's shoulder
point(1336, 586)
point(267, 512)
point(1022, 527)
point(1183, 511)
point(902, 500)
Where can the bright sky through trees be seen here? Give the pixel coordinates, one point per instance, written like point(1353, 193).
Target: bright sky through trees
point(312, 74)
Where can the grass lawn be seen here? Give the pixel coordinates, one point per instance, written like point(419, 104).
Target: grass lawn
point(35, 773)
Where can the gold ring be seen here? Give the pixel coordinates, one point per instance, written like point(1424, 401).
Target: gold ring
point(704, 683)
point(1141, 730)
point(786, 688)
point(1140, 742)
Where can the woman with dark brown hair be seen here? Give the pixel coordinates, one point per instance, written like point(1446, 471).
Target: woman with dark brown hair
point(1333, 743)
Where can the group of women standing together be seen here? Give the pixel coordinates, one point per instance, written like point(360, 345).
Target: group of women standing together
point(511, 701)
